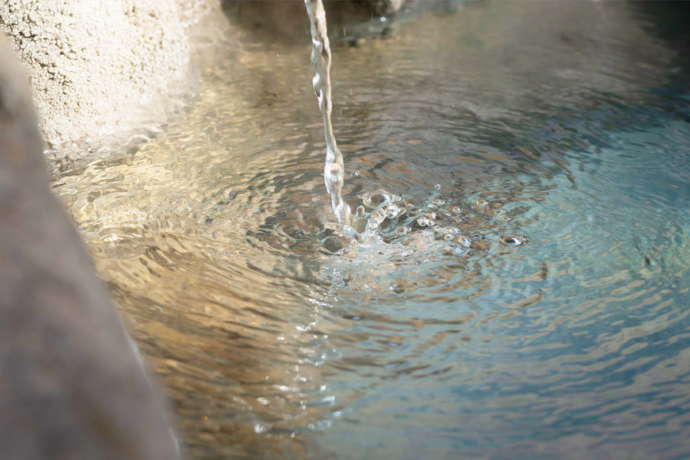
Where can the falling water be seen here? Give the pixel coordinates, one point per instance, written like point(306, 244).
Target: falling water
point(334, 170)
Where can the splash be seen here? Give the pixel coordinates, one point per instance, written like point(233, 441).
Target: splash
point(334, 169)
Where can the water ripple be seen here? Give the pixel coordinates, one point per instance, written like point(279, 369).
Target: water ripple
point(518, 281)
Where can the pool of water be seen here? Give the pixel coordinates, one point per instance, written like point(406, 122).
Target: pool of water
point(521, 290)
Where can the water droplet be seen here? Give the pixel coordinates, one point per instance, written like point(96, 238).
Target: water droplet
point(393, 211)
point(425, 222)
point(261, 427)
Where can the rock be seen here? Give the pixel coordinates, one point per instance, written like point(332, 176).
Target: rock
point(73, 382)
point(384, 7)
point(99, 68)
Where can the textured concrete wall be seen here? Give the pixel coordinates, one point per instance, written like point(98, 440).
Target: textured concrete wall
point(98, 67)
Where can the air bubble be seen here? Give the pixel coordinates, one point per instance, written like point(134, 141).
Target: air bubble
point(513, 240)
point(377, 198)
point(333, 244)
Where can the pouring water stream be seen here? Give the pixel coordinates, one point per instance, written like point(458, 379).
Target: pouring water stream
point(334, 169)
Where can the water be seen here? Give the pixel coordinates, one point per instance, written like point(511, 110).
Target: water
point(334, 168)
point(521, 172)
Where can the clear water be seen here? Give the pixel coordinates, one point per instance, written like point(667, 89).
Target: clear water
point(523, 288)
point(334, 168)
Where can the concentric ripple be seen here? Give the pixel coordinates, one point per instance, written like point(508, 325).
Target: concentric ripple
point(516, 280)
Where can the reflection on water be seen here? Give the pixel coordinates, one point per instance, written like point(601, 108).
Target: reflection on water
point(521, 292)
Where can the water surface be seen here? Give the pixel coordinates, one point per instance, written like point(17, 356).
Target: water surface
point(522, 291)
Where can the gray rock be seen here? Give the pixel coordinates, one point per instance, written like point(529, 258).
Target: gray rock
point(73, 383)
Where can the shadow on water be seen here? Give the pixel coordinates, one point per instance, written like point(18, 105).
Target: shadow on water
point(523, 167)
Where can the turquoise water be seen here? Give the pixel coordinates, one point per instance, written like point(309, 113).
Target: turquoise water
point(575, 344)
point(524, 292)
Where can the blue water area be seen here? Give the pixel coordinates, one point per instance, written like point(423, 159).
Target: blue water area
point(575, 345)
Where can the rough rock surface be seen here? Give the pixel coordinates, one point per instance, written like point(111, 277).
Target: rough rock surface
point(384, 7)
point(98, 67)
point(73, 383)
